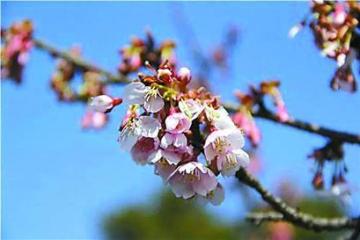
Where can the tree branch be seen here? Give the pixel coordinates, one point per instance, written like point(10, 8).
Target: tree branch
point(305, 126)
point(120, 79)
point(80, 63)
point(290, 214)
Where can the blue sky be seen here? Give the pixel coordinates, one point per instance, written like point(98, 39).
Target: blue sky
point(58, 181)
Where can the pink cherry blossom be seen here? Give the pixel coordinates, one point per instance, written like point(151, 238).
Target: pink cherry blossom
point(339, 14)
point(177, 123)
point(192, 178)
point(281, 111)
point(184, 75)
point(103, 103)
point(173, 149)
point(225, 147)
point(246, 122)
point(144, 148)
point(94, 120)
point(145, 126)
point(138, 93)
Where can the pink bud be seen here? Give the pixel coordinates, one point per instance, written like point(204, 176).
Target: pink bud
point(164, 75)
point(184, 75)
point(104, 103)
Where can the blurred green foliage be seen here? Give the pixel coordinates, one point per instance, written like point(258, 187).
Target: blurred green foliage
point(170, 218)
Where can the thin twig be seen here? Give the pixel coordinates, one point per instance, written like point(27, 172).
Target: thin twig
point(119, 79)
point(291, 214)
point(305, 126)
point(80, 62)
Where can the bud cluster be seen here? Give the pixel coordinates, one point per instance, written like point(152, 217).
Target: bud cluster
point(186, 135)
point(139, 51)
point(333, 25)
point(332, 152)
point(16, 44)
point(254, 102)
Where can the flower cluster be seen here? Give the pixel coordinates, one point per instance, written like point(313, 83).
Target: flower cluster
point(139, 51)
point(185, 134)
point(333, 26)
point(16, 44)
point(63, 75)
point(332, 152)
point(93, 84)
point(254, 101)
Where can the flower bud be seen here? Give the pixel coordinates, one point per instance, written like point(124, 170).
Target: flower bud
point(184, 75)
point(164, 75)
point(295, 30)
point(318, 181)
point(104, 103)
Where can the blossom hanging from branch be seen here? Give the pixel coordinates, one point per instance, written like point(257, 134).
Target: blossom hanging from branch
point(172, 128)
point(17, 42)
point(254, 101)
point(333, 24)
point(186, 134)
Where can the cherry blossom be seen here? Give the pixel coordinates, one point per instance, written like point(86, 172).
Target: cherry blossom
point(184, 75)
point(225, 147)
point(192, 178)
point(143, 150)
point(246, 122)
point(177, 123)
point(93, 120)
point(144, 126)
point(103, 103)
point(149, 97)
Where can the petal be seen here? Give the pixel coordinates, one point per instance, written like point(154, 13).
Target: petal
point(230, 171)
point(177, 123)
point(242, 157)
point(171, 157)
point(180, 140)
point(167, 140)
point(101, 103)
point(149, 126)
point(179, 187)
point(127, 139)
point(187, 167)
point(206, 183)
point(236, 138)
point(134, 93)
point(171, 122)
point(143, 149)
point(224, 122)
point(155, 156)
point(210, 153)
point(154, 104)
point(99, 119)
point(229, 168)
